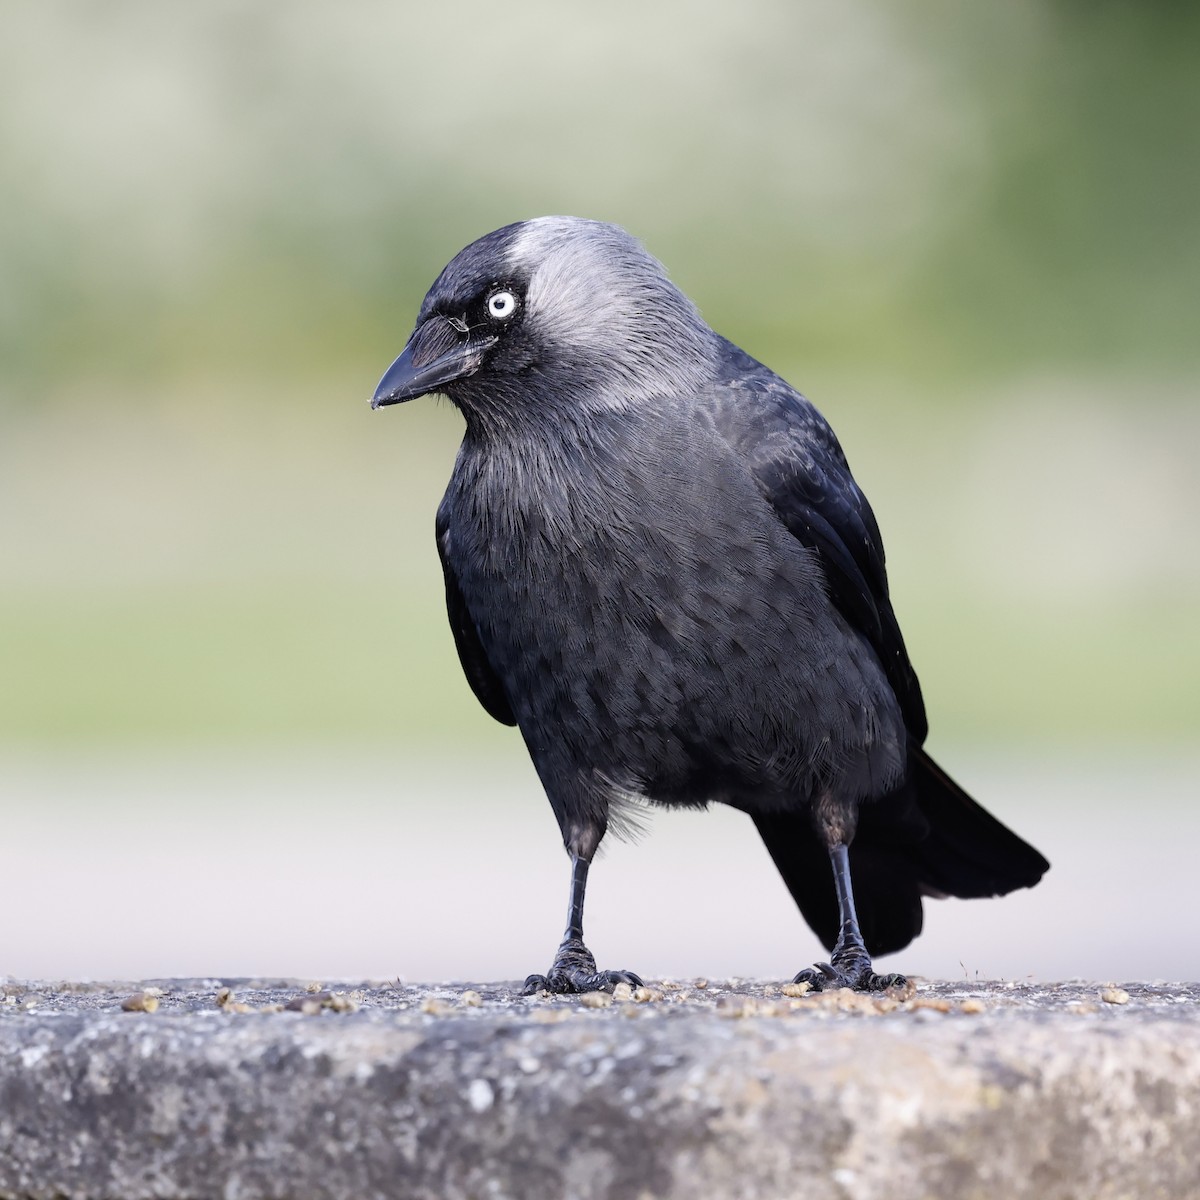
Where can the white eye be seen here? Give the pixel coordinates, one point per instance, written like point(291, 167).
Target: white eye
point(502, 305)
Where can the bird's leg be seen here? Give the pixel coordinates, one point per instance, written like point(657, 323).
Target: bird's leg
point(850, 964)
point(574, 968)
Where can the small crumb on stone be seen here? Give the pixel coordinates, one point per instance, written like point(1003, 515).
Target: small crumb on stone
point(595, 1000)
point(849, 1001)
point(480, 1095)
point(224, 996)
point(622, 993)
point(435, 1007)
point(934, 1003)
point(140, 1002)
point(314, 987)
point(1114, 995)
point(529, 1064)
point(796, 989)
point(647, 995)
point(701, 984)
point(470, 999)
point(972, 1006)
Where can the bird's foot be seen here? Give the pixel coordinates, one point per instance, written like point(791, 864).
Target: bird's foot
point(849, 969)
point(574, 970)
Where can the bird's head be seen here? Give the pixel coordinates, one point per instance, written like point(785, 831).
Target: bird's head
point(553, 315)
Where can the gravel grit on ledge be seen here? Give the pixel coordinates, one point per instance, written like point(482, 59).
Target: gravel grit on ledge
point(241, 1089)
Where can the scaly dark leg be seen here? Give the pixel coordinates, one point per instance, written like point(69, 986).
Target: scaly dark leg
point(574, 968)
point(851, 964)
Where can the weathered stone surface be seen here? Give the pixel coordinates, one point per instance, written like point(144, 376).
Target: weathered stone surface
point(728, 1090)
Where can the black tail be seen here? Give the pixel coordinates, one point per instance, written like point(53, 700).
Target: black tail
point(928, 838)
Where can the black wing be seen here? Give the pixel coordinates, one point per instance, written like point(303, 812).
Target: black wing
point(801, 470)
point(484, 681)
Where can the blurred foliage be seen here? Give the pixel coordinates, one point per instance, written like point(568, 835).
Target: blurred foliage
point(972, 234)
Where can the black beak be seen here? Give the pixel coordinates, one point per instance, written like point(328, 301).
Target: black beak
point(437, 353)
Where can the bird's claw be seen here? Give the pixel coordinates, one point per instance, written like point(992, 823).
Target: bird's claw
point(574, 971)
point(562, 983)
point(849, 971)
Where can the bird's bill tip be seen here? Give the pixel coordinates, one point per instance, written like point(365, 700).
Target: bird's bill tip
point(400, 382)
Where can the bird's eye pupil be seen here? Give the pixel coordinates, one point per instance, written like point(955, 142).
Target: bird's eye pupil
point(502, 305)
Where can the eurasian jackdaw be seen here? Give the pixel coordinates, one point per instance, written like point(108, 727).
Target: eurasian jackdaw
point(659, 567)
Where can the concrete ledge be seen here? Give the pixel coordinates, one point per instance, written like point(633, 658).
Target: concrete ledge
point(727, 1090)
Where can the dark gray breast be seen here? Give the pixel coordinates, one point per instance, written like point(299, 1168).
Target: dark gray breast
point(655, 625)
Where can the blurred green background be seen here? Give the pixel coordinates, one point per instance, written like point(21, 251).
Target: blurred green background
point(971, 234)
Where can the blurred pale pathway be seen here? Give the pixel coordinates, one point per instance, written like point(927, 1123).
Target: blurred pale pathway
point(355, 864)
